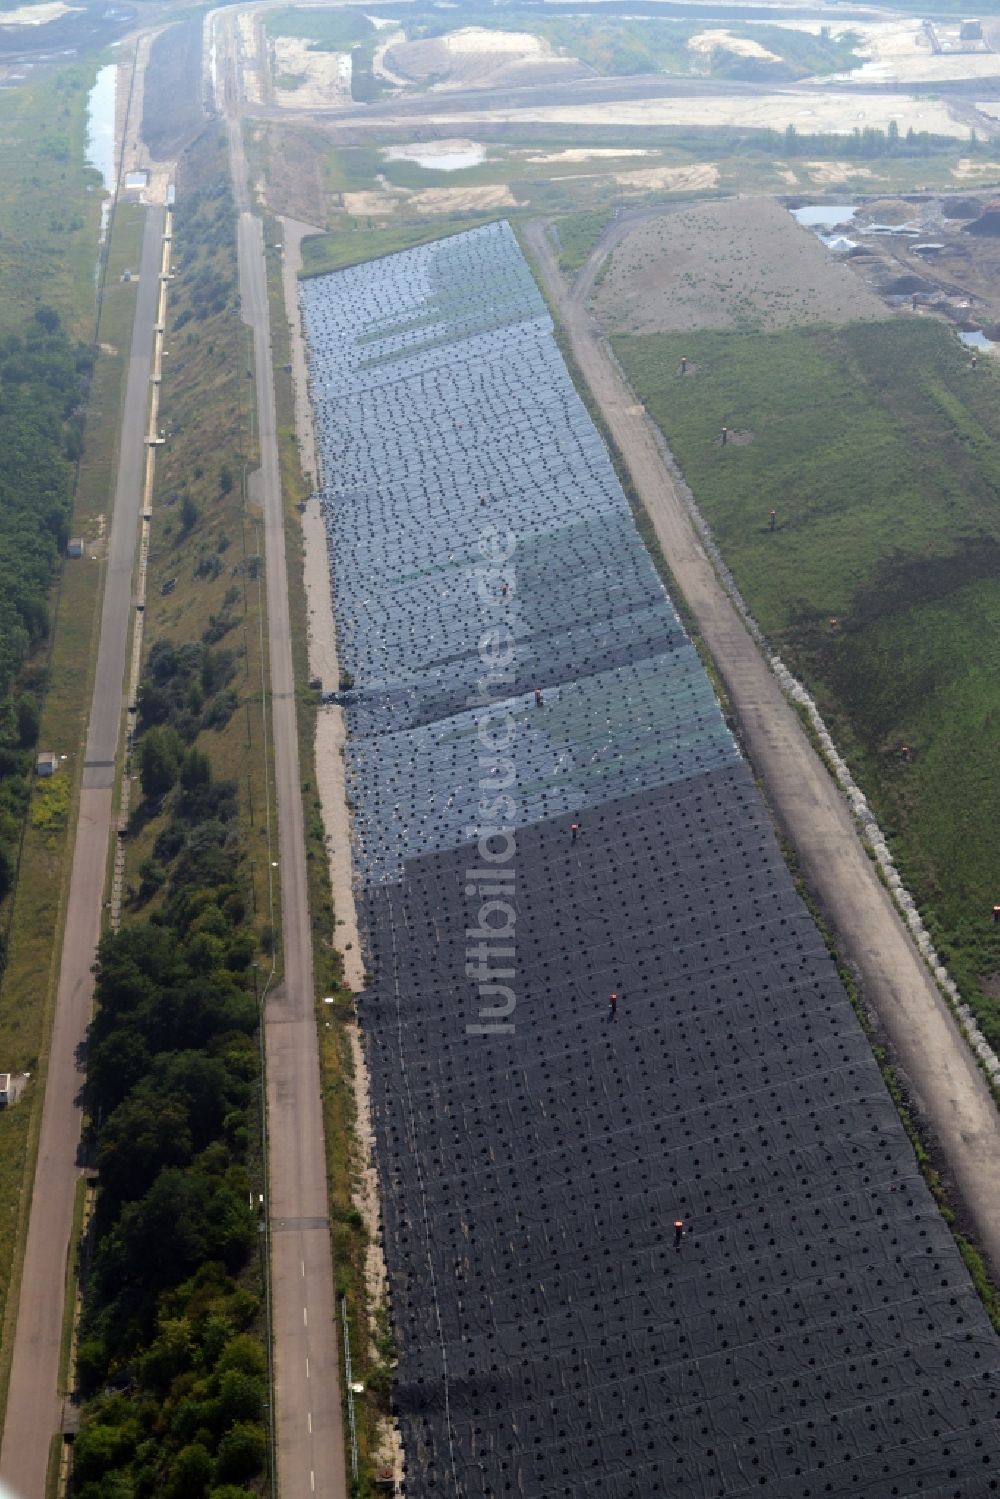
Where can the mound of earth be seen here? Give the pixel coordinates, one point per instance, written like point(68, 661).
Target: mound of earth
point(906, 285)
point(887, 211)
point(988, 221)
point(737, 264)
point(961, 208)
point(476, 57)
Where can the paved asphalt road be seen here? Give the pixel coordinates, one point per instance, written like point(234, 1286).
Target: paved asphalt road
point(310, 1435)
point(949, 1091)
point(34, 1404)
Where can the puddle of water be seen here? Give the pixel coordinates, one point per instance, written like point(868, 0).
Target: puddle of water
point(824, 215)
point(436, 160)
point(101, 125)
point(978, 340)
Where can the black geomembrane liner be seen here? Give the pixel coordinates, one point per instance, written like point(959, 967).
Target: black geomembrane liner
point(814, 1334)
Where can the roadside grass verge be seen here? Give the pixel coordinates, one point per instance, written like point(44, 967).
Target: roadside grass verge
point(32, 969)
point(877, 447)
point(578, 234)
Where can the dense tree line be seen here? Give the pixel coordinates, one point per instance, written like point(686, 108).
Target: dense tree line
point(43, 380)
point(170, 1358)
point(871, 142)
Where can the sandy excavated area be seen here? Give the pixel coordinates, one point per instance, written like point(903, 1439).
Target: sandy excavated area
point(380, 66)
point(249, 54)
point(487, 196)
point(36, 15)
point(726, 265)
point(965, 168)
point(900, 52)
point(690, 179)
point(371, 205)
point(326, 76)
point(478, 58)
point(830, 173)
point(837, 110)
point(481, 199)
point(707, 42)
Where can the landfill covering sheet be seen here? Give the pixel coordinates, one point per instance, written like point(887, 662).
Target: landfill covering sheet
point(652, 1223)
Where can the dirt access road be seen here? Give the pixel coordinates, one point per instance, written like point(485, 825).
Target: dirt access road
point(34, 1403)
point(310, 1439)
point(946, 1085)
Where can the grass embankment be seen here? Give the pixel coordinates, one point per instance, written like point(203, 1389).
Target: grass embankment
point(578, 234)
point(358, 240)
point(31, 972)
point(609, 44)
point(348, 1233)
point(876, 446)
point(204, 539)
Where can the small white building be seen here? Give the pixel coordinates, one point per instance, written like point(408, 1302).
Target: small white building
point(74, 547)
point(46, 763)
point(5, 1090)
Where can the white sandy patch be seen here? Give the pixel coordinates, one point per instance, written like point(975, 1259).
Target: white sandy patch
point(36, 15)
point(587, 153)
point(459, 199)
point(695, 178)
point(325, 76)
point(249, 54)
point(967, 168)
point(478, 39)
point(827, 111)
point(380, 67)
point(475, 57)
point(899, 51)
point(438, 155)
point(707, 42)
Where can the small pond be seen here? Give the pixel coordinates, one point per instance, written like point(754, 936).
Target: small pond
point(824, 215)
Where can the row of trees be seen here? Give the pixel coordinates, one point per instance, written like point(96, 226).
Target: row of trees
point(871, 142)
point(170, 1357)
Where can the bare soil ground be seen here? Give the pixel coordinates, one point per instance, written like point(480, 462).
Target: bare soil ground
point(960, 282)
point(697, 178)
point(481, 199)
point(478, 58)
point(296, 186)
point(740, 263)
point(307, 80)
point(172, 113)
point(809, 111)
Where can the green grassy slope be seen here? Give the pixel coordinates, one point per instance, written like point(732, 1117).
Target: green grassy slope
point(878, 447)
